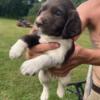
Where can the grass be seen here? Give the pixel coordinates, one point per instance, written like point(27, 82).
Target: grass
point(14, 86)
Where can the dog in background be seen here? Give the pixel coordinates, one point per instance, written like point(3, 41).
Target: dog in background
point(57, 21)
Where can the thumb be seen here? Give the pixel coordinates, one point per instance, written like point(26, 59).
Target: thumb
point(46, 46)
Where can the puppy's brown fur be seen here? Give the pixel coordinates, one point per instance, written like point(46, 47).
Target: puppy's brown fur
point(57, 18)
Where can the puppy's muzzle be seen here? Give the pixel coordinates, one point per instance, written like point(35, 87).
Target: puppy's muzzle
point(40, 21)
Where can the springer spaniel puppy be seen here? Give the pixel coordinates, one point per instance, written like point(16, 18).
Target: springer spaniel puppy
point(57, 21)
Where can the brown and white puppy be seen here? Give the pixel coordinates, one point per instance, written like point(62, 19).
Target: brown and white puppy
point(57, 21)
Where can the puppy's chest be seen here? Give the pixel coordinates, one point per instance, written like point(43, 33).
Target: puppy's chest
point(58, 53)
point(66, 43)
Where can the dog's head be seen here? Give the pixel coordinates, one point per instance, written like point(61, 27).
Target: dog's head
point(59, 18)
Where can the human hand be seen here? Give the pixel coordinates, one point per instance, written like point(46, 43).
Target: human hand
point(76, 59)
point(40, 49)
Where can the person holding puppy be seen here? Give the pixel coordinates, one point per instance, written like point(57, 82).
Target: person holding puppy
point(89, 13)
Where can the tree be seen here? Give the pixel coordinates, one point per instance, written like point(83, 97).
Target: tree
point(13, 8)
point(77, 2)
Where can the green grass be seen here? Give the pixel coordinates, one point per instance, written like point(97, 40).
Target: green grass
point(13, 85)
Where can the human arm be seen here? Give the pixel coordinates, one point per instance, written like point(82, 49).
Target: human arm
point(91, 56)
point(81, 55)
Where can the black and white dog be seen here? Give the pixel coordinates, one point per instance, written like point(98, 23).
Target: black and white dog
point(57, 21)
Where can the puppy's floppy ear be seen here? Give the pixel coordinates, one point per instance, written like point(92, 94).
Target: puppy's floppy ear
point(72, 27)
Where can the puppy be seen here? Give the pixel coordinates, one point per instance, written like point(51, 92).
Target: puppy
point(57, 21)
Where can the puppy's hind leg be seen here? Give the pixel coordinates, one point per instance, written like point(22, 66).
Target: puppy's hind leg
point(62, 83)
point(60, 90)
point(44, 80)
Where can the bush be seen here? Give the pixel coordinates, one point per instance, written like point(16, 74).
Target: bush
point(33, 12)
point(29, 18)
point(13, 8)
point(77, 2)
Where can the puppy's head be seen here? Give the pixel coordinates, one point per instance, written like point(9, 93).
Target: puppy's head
point(58, 18)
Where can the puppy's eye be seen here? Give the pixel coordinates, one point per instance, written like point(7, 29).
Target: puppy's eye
point(58, 13)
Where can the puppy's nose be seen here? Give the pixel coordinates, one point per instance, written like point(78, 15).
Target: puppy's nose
point(40, 22)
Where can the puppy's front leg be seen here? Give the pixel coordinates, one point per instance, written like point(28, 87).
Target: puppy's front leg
point(17, 49)
point(45, 61)
point(31, 67)
point(20, 46)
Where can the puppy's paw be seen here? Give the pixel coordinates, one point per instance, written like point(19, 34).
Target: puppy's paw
point(15, 52)
point(17, 49)
point(29, 67)
point(44, 95)
point(60, 92)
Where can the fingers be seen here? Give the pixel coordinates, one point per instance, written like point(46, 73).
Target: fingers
point(41, 48)
point(64, 70)
point(29, 54)
point(45, 47)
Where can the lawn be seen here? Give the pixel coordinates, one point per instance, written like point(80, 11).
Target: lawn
point(13, 85)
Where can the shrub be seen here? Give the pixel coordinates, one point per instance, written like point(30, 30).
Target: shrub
point(13, 8)
point(33, 12)
point(77, 2)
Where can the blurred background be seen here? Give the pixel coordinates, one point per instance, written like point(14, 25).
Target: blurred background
point(23, 8)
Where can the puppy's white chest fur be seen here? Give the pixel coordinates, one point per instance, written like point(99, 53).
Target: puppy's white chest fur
point(59, 53)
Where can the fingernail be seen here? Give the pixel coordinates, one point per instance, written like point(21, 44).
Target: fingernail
point(56, 45)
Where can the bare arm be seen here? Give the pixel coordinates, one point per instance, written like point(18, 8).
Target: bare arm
point(80, 56)
point(91, 56)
